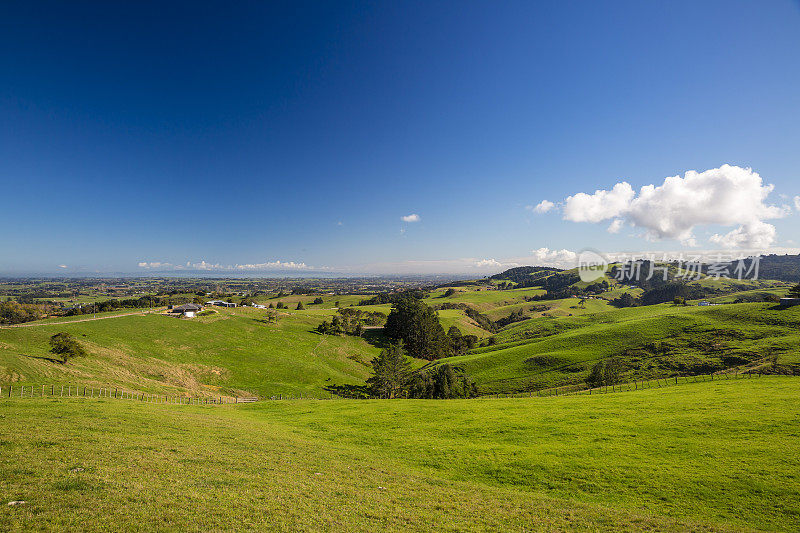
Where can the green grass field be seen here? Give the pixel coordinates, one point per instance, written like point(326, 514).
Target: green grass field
point(653, 341)
point(705, 456)
point(233, 352)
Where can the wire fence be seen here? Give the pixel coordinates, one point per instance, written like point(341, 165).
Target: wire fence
point(118, 393)
point(640, 384)
point(89, 392)
point(81, 391)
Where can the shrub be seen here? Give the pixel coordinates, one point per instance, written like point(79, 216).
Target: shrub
point(66, 346)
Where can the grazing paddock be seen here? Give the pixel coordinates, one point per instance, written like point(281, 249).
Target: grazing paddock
point(701, 456)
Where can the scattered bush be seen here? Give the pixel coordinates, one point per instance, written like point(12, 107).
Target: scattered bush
point(66, 346)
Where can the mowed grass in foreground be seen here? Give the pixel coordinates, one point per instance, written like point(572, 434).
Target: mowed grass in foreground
point(715, 456)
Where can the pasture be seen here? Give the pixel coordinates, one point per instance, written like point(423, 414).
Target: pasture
point(704, 456)
point(653, 340)
point(233, 352)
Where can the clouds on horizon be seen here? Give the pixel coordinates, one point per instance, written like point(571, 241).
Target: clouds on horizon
point(724, 196)
point(246, 267)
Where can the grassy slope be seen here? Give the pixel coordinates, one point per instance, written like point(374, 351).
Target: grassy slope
point(700, 456)
point(563, 350)
point(224, 353)
point(482, 300)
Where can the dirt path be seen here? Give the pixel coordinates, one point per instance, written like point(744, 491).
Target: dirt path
point(75, 321)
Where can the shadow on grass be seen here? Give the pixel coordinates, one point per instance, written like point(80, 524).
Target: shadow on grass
point(45, 358)
point(348, 391)
point(376, 338)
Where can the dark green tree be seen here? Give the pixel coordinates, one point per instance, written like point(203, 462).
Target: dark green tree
point(66, 346)
point(605, 372)
point(417, 325)
point(391, 373)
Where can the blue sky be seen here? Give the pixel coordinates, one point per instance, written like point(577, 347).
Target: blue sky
point(280, 135)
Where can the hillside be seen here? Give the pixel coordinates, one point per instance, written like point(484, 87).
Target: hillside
point(232, 352)
point(650, 341)
point(706, 456)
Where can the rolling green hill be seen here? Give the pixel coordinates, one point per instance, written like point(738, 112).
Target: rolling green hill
point(651, 341)
point(705, 456)
point(232, 352)
point(236, 352)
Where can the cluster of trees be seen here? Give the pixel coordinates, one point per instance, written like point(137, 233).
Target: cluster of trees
point(460, 343)
point(351, 321)
point(624, 300)
point(673, 291)
point(780, 267)
point(66, 346)
point(392, 297)
point(794, 292)
point(669, 291)
point(482, 320)
point(514, 316)
point(442, 382)
point(598, 287)
point(130, 303)
point(16, 313)
point(526, 276)
point(605, 372)
point(418, 326)
point(393, 378)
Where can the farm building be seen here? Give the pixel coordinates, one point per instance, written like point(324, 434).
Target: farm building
point(221, 303)
point(187, 310)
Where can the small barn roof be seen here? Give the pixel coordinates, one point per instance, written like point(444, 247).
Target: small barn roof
point(187, 307)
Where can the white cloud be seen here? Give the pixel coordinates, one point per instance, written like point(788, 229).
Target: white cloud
point(616, 225)
point(599, 206)
point(725, 196)
point(413, 217)
point(542, 207)
point(156, 264)
point(62, 266)
point(753, 235)
point(488, 263)
point(274, 265)
point(555, 258)
point(202, 265)
point(797, 202)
